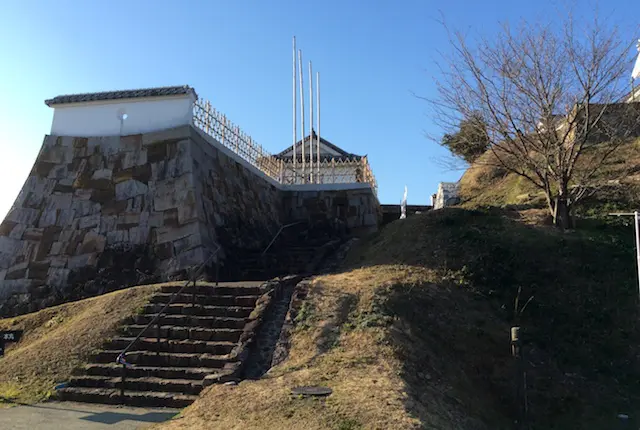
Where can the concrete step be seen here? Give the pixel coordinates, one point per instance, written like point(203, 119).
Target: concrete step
point(168, 359)
point(235, 289)
point(188, 309)
point(184, 386)
point(131, 398)
point(242, 301)
point(189, 321)
point(166, 345)
point(115, 370)
point(185, 332)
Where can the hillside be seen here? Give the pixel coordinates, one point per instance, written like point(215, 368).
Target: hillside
point(58, 339)
point(617, 185)
point(413, 332)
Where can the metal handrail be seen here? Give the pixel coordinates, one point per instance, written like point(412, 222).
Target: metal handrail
point(156, 320)
point(278, 234)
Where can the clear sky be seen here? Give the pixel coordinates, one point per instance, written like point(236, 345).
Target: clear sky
point(372, 54)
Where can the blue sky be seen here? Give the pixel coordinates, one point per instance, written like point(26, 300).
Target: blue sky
point(371, 55)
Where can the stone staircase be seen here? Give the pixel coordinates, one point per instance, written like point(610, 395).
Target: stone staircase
point(170, 367)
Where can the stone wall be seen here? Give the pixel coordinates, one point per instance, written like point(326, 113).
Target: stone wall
point(102, 213)
point(358, 208)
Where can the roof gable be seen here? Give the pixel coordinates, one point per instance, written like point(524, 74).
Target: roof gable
point(326, 148)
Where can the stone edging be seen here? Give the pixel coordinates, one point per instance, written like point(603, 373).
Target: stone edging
point(270, 291)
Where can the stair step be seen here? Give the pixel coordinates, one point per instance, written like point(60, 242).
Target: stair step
point(166, 345)
point(243, 301)
point(169, 359)
point(132, 398)
point(185, 332)
point(243, 289)
point(211, 311)
point(189, 321)
point(115, 370)
point(185, 386)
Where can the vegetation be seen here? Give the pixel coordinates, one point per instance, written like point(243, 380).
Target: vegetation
point(413, 333)
point(470, 140)
point(544, 96)
point(59, 339)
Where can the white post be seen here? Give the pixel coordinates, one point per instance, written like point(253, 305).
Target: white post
point(304, 179)
point(311, 122)
point(318, 121)
point(295, 110)
point(637, 232)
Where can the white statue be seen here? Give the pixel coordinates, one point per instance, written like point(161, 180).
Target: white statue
point(403, 205)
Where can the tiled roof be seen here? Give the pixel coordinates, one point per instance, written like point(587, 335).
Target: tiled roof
point(124, 94)
point(324, 141)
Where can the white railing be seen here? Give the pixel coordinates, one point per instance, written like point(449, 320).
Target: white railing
point(331, 171)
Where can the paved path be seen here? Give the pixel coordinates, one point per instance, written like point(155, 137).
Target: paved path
point(76, 416)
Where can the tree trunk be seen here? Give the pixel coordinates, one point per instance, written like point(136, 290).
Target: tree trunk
point(562, 214)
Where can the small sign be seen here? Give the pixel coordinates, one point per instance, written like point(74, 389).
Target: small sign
point(8, 336)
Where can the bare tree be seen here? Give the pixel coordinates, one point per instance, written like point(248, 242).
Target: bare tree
point(545, 97)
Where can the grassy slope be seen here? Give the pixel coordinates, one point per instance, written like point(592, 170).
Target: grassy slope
point(484, 185)
point(414, 332)
point(58, 339)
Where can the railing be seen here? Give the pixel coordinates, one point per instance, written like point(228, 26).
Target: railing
point(278, 234)
point(121, 359)
point(330, 171)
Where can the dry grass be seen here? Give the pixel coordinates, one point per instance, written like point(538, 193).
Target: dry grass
point(485, 185)
point(58, 339)
point(353, 336)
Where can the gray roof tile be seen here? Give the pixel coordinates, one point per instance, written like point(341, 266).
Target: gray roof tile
point(124, 94)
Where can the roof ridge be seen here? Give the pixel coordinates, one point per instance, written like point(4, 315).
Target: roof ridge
point(122, 94)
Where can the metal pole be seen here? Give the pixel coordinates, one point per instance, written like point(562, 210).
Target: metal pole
point(304, 180)
point(637, 232)
point(311, 122)
point(318, 119)
point(295, 110)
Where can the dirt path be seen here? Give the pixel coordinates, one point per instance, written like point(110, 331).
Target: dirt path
point(76, 416)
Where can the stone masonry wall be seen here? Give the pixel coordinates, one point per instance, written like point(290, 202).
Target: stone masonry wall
point(156, 203)
point(357, 208)
point(102, 213)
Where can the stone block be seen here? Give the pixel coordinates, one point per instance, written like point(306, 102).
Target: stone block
point(130, 188)
point(58, 277)
point(38, 270)
point(127, 220)
point(83, 194)
point(172, 134)
point(106, 174)
point(188, 209)
point(23, 215)
point(83, 260)
point(139, 235)
point(134, 158)
point(170, 193)
point(58, 262)
point(108, 223)
point(164, 250)
point(191, 257)
point(171, 234)
point(89, 221)
point(187, 243)
point(17, 271)
point(6, 227)
point(92, 242)
point(65, 217)
point(117, 236)
point(84, 207)
point(48, 218)
point(156, 219)
point(56, 248)
point(17, 231)
point(9, 246)
point(14, 287)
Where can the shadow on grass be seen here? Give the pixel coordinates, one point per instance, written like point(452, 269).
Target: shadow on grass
point(580, 328)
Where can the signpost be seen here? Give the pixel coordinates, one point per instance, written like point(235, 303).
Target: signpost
point(8, 336)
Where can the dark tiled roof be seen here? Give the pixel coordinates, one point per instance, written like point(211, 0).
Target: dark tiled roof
point(342, 152)
point(124, 94)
